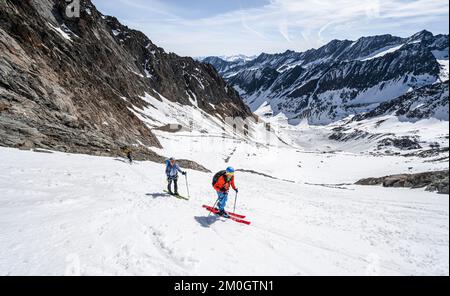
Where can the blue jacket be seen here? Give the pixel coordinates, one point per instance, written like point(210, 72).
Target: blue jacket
point(172, 170)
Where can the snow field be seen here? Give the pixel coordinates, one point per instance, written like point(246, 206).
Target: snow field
point(76, 214)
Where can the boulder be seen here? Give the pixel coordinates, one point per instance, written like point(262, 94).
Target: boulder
point(432, 181)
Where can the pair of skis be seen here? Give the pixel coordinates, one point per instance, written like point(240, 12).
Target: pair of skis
point(232, 216)
point(176, 195)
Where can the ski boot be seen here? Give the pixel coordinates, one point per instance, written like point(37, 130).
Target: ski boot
point(224, 214)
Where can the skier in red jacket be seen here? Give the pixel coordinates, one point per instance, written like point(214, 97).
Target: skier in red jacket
point(225, 179)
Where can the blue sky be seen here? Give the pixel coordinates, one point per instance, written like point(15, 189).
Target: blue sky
point(227, 27)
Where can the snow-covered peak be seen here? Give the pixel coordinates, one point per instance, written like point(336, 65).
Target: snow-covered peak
point(341, 78)
point(420, 36)
point(238, 58)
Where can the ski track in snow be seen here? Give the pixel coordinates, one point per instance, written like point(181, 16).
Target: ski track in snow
point(84, 215)
point(109, 218)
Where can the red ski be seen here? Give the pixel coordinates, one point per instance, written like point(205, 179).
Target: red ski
point(235, 217)
point(242, 221)
point(215, 211)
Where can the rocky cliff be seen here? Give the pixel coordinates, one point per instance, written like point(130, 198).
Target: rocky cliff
point(67, 83)
point(432, 181)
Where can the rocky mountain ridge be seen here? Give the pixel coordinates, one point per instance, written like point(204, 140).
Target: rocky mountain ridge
point(70, 84)
point(341, 78)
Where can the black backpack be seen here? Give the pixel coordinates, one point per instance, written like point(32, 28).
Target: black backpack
point(217, 176)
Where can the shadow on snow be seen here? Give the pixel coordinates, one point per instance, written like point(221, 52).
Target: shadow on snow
point(207, 221)
point(157, 195)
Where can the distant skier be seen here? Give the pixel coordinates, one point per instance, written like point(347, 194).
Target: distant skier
point(172, 169)
point(128, 152)
point(222, 182)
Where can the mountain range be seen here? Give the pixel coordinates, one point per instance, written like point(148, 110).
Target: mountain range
point(344, 78)
point(93, 85)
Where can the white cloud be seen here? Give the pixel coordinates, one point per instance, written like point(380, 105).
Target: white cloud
point(284, 29)
point(285, 24)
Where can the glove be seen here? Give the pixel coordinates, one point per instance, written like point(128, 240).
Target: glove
point(237, 190)
point(184, 173)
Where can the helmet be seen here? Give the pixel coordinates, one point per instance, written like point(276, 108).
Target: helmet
point(230, 170)
point(172, 158)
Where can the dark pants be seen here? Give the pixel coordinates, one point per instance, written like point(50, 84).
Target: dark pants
point(173, 180)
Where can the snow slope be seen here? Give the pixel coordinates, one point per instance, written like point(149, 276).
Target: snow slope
point(444, 70)
point(238, 58)
point(84, 215)
point(382, 52)
point(75, 214)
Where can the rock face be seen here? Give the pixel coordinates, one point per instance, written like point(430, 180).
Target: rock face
point(433, 181)
point(344, 78)
point(66, 83)
point(403, 143)
point(430, 101)
point(225, 63)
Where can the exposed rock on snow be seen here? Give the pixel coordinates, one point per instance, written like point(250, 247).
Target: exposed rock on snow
point(262, 174)
point(189, 164)
point(171, 128)
point(433, 181)
point(141, 154)
point(435, 151)
point(404, 143)
point(345, 137)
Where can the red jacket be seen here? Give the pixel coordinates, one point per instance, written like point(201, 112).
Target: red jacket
point(224, 185)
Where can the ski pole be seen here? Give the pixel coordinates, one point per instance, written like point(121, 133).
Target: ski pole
point(187, 186)
point(213, 207)
point(235, 201)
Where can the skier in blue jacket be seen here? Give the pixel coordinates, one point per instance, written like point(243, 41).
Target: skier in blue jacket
point(172, 169)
